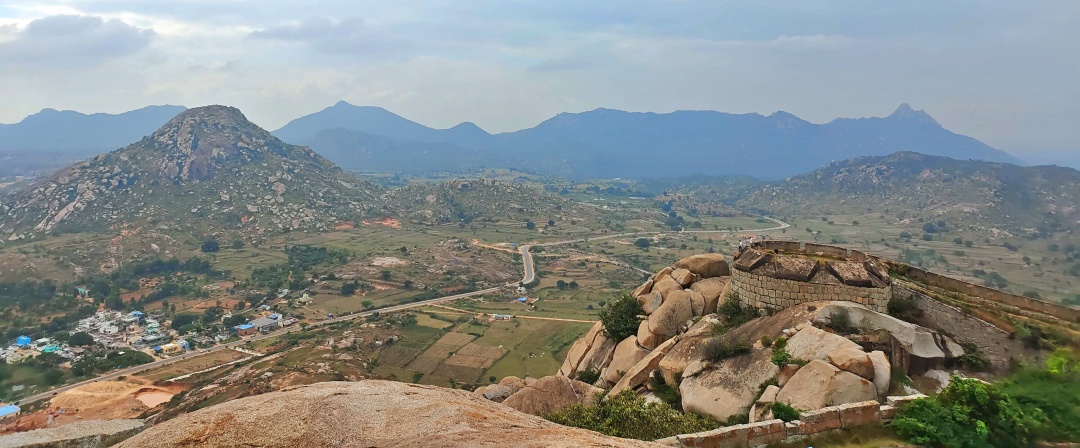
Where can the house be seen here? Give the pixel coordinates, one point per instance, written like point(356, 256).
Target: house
point(245, 329)
point(502, 316)
point(266, 324)
point(22, 341)
point(522, 299)
point(288, 321)
point(171, 349)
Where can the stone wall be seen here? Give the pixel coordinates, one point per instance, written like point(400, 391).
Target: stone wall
point(766, 292)
point(994, 343)
point(952, 284)
point(810, 423)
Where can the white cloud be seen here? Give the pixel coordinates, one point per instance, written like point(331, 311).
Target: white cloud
point(68, 41)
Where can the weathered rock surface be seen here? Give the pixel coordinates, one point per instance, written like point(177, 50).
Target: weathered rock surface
point(84, 434)
point(599, 356)
point(853, 360)
point(651, 301)
point(672, 315)
point(916, 340)
point(683, 276)
point(728, 387)
point(645, 288)
point(819, 384)
point(366, 414)
point(666, 284)
point(579, 349)
point(640, 372)
point(627, 354)
point(762, 408)
point(552, 393)
point(697, 302)
point(712, 290)
point(882, 372)
point(498, 392)
point(646, 338)
point(705, 265)
point(814, 343)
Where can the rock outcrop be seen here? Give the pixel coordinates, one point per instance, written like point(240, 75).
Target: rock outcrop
point(552, 393)
point(627, 354)
point(819, 384)
point(366, 414)
point(84, 434)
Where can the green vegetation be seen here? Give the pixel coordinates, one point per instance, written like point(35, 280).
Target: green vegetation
point(628, 415)
point(620, 317)
point(904, 308)
point(666, 392)
point(1053, 389)
point(968, 413)
point(588, 376)
point(784, 411)
point(780, 355)
point(840, 321)
point(104, 362)
point(718, 350)
point(733, 313)
point(973, 359)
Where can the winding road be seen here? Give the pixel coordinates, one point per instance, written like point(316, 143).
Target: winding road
point(528, 277)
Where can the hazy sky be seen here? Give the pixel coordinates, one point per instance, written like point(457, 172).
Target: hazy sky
point(1005, 72)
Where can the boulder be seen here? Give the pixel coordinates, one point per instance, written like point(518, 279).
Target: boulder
point(705, 265)
point(626, 355)
point(786, 373)
point(650, 301)
point(496, 392)
point(512, 381)
point(552, 393)
point(579, 349)
point(365, 413)
point(815, 343)
point(646, 338)
point(882, 372)
point(690, 348)
point(916, 340)
point(640, 372)
point(666, 284)
point(661, 274)
point(599, 355)
point(728, 387)
point(711, 289)
point(853, 360)
point(645, 288)
point(683, 276)
point(672, 314)
point(89, 433)
point(697, 302)
point(819, 384)
point(762, 408)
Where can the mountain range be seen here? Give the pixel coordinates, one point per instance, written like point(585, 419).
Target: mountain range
point(602, 143)
point(208, 168)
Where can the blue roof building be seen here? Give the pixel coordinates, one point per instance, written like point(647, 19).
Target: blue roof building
point(246, 326)
point(522, 300)
point(9, 410)
point(23, 341)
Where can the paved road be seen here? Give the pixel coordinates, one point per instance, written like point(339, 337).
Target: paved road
point(529, 276)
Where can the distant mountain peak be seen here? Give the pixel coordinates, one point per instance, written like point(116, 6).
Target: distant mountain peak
point(905, 112)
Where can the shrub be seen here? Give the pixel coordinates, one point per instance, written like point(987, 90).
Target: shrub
point(588, 376)
point(733, 313)
point(968, 413)
point(780, 355)
point(629, 415)
point(840, 321)
point(210, 246)
point(717, 349)
point(664, 391)
point(620, 317)
point(973, 359)
point(1053, 389)
point(766, 341)
point(904, 308)
point(784, 412)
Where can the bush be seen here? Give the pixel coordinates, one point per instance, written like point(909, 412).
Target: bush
point(717, 349)
point(973, 359)
point(628, 415)
point(968, 413)
point(904, 308)
point(81, 338)
point(840, 321)
point(733, 313)
point(784, 412)
point(620, 317)
point(1053, 390)
point(588, 376)
point(210, 246)
point(780, 355)
point(664, 391)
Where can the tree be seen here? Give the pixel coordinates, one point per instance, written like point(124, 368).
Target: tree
point(620, 317)
point(53, 376)
point(234, 320)
point(551, 223)
point(349, 288)
point(81, 338)
point(561, 284)
point(367, 304)
point(237, 244)
point(642, 243)
point(182, 319)
point(968, 413)
point(905, 235)
point(530, 225)
point(386, 274)
point(408, 284)
point(210, 246)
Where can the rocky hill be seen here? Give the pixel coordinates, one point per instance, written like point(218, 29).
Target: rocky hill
point(207, 169)
point(1039, 197)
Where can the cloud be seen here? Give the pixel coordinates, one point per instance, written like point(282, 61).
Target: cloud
point(71, 41)
point(351, 36)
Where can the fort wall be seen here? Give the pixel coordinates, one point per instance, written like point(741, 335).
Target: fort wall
point(776, 293)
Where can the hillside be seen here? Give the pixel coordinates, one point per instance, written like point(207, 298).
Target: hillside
point(361, 151)
point(81, 135)
point(207, 169)
point(606, 143)
point(1040, 197)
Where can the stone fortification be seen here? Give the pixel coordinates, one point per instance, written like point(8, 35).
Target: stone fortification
point(780, 274)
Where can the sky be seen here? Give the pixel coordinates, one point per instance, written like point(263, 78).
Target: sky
point(1005, 72)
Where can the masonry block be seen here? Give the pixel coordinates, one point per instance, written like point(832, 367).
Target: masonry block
point(766, 432)
point(821, 420)
point(859, 414)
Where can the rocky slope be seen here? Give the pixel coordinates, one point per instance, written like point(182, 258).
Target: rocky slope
point(366, 414)
point(209, 168)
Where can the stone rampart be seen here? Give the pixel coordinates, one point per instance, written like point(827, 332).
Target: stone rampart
point(810, 423)
point(970, 289)
point(995, 344)
point(766, 292)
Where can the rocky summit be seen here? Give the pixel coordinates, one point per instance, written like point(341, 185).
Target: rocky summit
point(208, 168)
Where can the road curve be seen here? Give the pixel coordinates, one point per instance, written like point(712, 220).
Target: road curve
point(528, 277)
